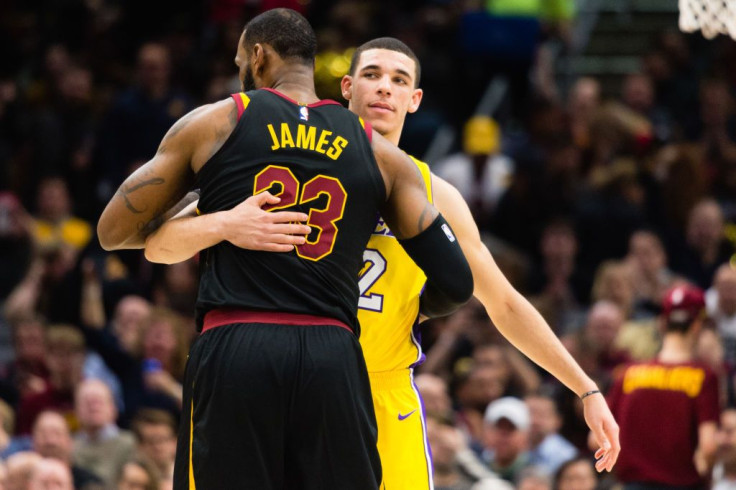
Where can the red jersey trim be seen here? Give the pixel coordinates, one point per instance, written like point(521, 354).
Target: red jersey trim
point(242, 101)
point(368, 130)
point(313, 104)
point(227, 316)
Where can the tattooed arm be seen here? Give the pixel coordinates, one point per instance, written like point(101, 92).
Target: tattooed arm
point(150, 195)
point(407, 210)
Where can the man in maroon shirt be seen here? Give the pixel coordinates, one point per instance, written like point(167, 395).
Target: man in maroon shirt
point(668, 408)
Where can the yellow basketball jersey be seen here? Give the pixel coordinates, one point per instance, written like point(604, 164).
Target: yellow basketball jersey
point(388, 308)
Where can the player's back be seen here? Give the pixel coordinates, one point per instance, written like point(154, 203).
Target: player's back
point(390, 285)
point(317, 158)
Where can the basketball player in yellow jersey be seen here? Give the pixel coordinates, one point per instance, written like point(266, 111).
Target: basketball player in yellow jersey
point(381, 87)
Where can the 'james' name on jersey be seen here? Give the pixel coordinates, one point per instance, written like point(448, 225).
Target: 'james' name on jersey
point(317, 159)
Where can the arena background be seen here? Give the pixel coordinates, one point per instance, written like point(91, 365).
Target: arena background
point(594, 142)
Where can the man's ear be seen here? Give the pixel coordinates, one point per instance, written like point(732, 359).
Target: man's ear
point(346, 85)
point(416, 99)
point(258, 57)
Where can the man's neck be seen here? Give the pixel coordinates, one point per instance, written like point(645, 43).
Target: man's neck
point(296, 82)
point(393, 137)
point(675, 348)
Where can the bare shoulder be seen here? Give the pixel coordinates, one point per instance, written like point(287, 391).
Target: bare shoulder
point(453, 207)
point(444, 190)
point(205, 128)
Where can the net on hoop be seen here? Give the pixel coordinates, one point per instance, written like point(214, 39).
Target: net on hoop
point(712, 17)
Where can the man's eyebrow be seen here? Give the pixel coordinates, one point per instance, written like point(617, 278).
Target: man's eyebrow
point(376, 67)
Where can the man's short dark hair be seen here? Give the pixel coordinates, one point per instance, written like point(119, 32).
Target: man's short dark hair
point(286, 31)
point(392, 44)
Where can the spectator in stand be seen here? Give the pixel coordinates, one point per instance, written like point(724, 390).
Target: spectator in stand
point(50, 474)
point(28, 373)
point(576, 474)
point(533, 478)
point(140, 116)
point(100, 446)
point(718, 138)
point(582, 104)
point(507, 437)
point(55, 225)
point(20, 467)
point(613, 282)
point(140, 346)
point(594, 347)
point(481, 172)
point(155, 431)
point(16, 238)
point(138, 474)
point(517, 374)
point(709, 351)
point(434, 394)
point(705, 248)
point(637, 93)
point(677, 450)
point(131, 313)
point(720, 304)
point(65, 358)
point(164, 345)
point(454, 466)
point(555, 282)
point(177, 288)
point(52, 439)
point(650, 275)
point(474, 390)
point(548, 449)
point(726, 446)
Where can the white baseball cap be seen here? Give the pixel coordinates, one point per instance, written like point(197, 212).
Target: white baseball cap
point(509, 408)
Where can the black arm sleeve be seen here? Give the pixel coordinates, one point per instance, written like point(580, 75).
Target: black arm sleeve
point(449, 279)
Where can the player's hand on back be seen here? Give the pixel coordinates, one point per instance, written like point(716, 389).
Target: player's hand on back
point(249, 226)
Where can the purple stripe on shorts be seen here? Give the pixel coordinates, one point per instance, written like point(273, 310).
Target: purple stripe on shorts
point(428, 451)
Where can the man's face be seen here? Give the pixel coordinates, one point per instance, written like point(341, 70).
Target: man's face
point(158, 442)
point(94, 405)
point(381, 91)
point(245, 72)
point(51, 437)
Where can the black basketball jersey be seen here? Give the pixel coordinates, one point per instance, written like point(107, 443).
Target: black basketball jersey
point(317, 158)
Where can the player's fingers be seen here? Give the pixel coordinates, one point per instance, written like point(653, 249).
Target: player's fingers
point(288, 217)
point(287, 239)
point(269, 246)
point(280, 247)
point(290, 229)
point(263, 198)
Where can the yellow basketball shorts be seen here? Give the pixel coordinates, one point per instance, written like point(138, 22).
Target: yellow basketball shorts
point(402, 434)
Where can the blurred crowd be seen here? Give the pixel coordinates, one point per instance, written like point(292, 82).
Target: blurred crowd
point(593, 206)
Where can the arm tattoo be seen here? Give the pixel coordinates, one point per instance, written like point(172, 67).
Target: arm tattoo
point(126, 191)
point(421, 226)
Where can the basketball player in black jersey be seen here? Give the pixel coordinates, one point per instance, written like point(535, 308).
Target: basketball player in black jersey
point(276, 390)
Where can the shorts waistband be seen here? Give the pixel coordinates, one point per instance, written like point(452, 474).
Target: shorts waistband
point(389, 380)
point(225, 316)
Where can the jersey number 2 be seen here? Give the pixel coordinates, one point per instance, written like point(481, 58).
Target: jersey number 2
point(324, 220)
point(374, 265)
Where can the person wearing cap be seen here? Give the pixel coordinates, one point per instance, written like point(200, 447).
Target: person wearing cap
point(668, 408)
point(506, 436)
